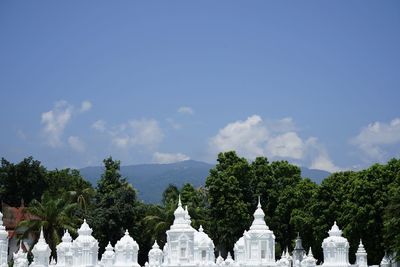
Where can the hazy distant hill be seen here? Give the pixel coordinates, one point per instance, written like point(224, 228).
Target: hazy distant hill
point(151, 179)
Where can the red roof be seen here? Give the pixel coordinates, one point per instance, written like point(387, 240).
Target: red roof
point(12, 216)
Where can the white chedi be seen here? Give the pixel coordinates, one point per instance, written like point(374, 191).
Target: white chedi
point(41, 252)
point(258, 243)
point(179, 249)
point(126, 252)
point(3, 243)
point(21, 257)
point(309, 260)
point(229, 260)
point(64, 251)
point(220, 260)
point(336, 249)
point(385, 261)
point(85, 247)
point(203, 248)
point(108, 257)
point(361, 256)
point(283, 261)
point(155, 255)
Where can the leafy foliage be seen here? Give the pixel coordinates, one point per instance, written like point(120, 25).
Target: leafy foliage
point(366, 204)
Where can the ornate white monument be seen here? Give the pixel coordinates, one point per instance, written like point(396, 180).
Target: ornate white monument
point(361, 256)
point(309, 260)
point(257, 246)
point(85, 247)
point(126, 252)
point(185, 246)
point(20, 257)
point(298, 252)
point(155, 256)
point(64, 251)
point(336, 249)
point(108, 257)
point(41, 252)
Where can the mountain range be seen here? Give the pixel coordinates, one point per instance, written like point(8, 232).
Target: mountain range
point(151, 179)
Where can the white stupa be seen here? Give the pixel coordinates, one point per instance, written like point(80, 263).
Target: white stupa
point(155, 255)
point(309, 260)
point(203, 248)
point(20, 257)
point(336, 249)
point(258, 243)
point(126, 252)
point(85, 247)
point(64, 251)
point(108, 257)
point(361, 256)
point(180, 240)
point(41, 252)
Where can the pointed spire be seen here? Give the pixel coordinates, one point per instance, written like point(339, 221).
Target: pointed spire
point(361, 249)
point(259, 222)
point(201, 229)
point(179, 202)
point(126, 232)
point(41, 234)
point(109, 247)
point(335, 231)
point(310, 253)
point(155, 245)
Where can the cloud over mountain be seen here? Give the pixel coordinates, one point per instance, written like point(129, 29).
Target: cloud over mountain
point(276, 139)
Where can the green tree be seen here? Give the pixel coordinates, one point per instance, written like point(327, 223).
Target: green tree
point(229, 194)
point(116, 207)
point(54, 215)
point(25, 180)
point(70, 183)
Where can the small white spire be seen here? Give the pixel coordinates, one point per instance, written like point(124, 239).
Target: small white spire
point(310, 253)
point(155, 245)
point(179, 202)
point(126, 232)
point(201, 228)
point(41, 233)
point(259, 202)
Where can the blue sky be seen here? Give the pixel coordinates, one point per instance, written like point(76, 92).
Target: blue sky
point(313, 82)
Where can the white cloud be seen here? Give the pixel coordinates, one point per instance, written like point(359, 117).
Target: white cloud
point(323, 162)
point(55, 121)
point(85, 106)
point(99, 125)
point(186, 110)
point(246, 137)
point(145, 132)
point(373, 139)
point(286, 145)
point(76, 143)
point(275, 139)
point(164, 158)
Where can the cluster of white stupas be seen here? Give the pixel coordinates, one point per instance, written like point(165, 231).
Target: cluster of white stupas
point(185, 247)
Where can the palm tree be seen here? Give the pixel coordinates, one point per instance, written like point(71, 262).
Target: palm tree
point(158, 220)
point(54, 215)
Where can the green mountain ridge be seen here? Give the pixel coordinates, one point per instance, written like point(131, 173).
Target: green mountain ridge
point(151, 179)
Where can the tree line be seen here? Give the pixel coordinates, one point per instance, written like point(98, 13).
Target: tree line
point(365, 204)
